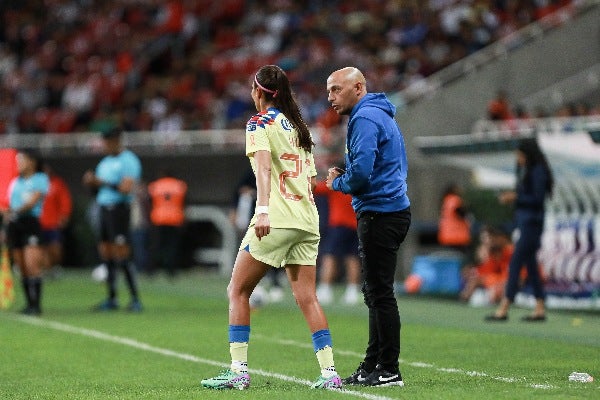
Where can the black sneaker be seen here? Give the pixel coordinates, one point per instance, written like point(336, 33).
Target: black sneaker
point(358, 377)
point(381, 377)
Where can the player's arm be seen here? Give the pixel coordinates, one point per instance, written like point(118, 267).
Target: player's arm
point(263, 191)
point(93, 182)
point(313, 183)
point(30, 203)
point(126, 185)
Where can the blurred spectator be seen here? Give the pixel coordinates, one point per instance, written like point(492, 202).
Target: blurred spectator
point(340, 245)
point(167, 216)
point(535, 184)
point(454, 228)
point(56, 214)
point(499, 108)
point(491, 270)
point(79, 96)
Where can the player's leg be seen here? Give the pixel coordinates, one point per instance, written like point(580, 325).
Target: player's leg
point(302, 275)
point(121, 251)
point(302, 282)
point(33, 258)
point(247, 272)
point(105, 251)
point(32, 261)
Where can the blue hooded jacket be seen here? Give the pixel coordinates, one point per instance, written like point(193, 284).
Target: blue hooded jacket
point(376, 165)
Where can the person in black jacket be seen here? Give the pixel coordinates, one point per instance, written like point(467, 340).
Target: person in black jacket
point(534, 184)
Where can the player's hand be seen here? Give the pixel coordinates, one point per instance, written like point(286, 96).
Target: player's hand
point(262, 227)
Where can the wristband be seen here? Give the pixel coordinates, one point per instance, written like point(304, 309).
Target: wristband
point(262, 209)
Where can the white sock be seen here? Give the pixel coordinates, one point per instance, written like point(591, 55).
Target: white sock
point(328, 372)
point(239, 367)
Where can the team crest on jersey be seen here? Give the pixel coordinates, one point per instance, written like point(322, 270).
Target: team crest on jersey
point(261, 120)
point(285, 124)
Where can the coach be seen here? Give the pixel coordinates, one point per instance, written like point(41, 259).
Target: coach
point(375, 176)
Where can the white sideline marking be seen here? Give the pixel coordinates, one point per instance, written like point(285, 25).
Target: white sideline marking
point(170, 353)
point(414, 364)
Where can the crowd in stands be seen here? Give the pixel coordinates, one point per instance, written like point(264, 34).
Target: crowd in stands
point(501, 109)
point(75, 65)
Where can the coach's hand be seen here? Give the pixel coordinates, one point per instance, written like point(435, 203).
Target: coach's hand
point(332, 173)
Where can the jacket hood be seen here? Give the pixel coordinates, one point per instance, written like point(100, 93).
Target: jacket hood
point(378, 100)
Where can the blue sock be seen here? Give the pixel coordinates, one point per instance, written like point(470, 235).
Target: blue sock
point(239, 333)
point(321, 339)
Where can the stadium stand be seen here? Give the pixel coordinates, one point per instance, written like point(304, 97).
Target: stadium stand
point(184, 64)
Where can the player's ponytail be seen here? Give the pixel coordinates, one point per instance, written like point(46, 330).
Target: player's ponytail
point(273, 81)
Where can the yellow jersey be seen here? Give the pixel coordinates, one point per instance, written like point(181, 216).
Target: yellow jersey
point(291, 202)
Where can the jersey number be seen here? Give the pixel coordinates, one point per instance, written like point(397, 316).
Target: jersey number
point(292, 174)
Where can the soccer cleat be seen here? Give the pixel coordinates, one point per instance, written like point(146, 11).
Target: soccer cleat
point(135, 306)
point(227, 379)
point(333, 382)
point(106, 305)
point(358, 377)
point(381, 377)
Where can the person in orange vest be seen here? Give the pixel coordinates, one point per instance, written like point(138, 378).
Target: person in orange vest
point(454, 229)
point(167, 216)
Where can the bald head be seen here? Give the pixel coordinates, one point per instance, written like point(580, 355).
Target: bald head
point(345, 88)
point(350, 74)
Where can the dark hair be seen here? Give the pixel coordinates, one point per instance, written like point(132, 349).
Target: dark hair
point(534, 156)
point(35, 157)
point(274, 79)
point(111, 132)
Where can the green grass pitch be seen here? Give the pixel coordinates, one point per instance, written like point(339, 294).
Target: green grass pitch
point(448, 351)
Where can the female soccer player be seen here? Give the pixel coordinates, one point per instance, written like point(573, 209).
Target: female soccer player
point(284, 231)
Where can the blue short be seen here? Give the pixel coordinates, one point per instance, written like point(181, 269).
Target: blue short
point(340, 241)
point(52, 236)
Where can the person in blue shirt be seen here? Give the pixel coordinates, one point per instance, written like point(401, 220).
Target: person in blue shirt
point(375, 176)
point(26, 197)
point(113, 181)
point(534, 184)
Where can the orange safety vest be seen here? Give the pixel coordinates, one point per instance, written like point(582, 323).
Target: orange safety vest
point(168, 201)
point(453, 229)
